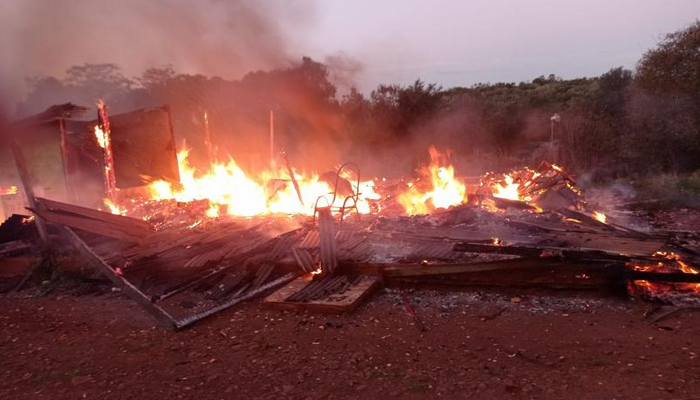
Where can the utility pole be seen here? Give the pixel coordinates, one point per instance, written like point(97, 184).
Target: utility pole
point(554, 118)
point(211, 154)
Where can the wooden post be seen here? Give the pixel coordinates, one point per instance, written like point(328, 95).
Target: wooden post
point(294, 180)
point(110, 179)
point(26, 181)
point(69, 167)
point(207, 140)
point(326, 231)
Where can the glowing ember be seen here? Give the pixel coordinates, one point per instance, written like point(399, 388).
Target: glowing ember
point(599, 216)
point(445, 190)
point(230, 190)
point(669, 262)
point(10, 190)
point(318, 271)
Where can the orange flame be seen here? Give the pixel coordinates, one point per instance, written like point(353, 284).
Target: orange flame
point(10, 190)
point(507, 189)
point(101, 137)
point(599, 216)
point(670, 262)
point(113, 208)
point(230, 190)
point(445, 190)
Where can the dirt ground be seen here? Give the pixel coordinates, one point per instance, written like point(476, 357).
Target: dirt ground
point(479, 345)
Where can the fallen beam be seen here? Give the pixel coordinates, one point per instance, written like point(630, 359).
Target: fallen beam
point(396, 271)
point(127, 288)
point(248, 295)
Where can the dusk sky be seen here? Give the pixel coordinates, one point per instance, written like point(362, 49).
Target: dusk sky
point(466, 42)
point(452, 43)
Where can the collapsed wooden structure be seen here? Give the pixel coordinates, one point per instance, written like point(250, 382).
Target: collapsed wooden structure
point(182, 268)
point(183, 273)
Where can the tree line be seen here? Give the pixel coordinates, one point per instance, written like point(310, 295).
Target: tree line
point(620, 124)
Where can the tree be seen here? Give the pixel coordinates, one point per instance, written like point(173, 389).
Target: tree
point(674, 66)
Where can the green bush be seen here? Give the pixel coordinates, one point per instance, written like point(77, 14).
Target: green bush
point(670, 190)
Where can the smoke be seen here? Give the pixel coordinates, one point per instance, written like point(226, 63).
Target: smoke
point(344, 71)
point(212, 37)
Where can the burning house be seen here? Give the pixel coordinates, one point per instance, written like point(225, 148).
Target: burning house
point(335, 200)
point(185, 244)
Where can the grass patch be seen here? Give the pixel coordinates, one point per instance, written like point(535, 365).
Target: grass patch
point(670, 190)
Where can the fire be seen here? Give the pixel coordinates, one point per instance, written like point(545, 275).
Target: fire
point(113, 208)
point(445, 190)
point(599, 216)
point(507, 189)
point(231, 190)
point(10, 190)
point(668, 262)
point(101, 137)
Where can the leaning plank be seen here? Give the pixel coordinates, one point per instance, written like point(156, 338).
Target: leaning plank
point(89, 225)
point(127, 288)
point(28, 188)
point(120, 220)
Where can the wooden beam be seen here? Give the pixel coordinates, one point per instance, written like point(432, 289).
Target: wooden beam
point(126, 287)
point(326, 231)
point(448, 269)
point(28, 188)
point(121, 220)
point(246, 296)
point(90, 225)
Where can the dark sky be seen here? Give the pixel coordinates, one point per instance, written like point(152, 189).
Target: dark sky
point(391, 41)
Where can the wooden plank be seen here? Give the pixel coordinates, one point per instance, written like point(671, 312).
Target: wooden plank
point(28, 188)
point(120, 220)
point(126, 287)
point(334, 304)
point(89, 225)
point(564, 276)
point(144, 145)
point(235, 300)
point(326, 232)
point(398, 270)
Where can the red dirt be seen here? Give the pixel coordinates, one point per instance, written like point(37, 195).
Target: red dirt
point(543, 347)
